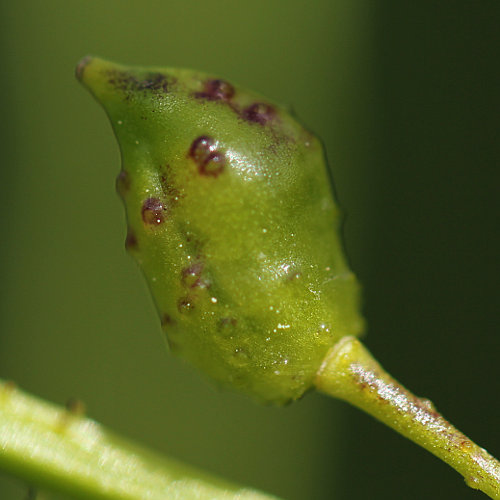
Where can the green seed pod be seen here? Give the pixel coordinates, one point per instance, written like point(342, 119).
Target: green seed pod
point(232, 220)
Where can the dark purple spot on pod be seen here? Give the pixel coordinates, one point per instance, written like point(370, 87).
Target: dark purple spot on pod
point(217, 90)
point(167, 320)
point(122, 183)
point(153, 211)
point(213, 165)
point(258, 112)
point(201, 148)
point(191, 276)
point(210, 162)
point(185, 304)
point(131, 240)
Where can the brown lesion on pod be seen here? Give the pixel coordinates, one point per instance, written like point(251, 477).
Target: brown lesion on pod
point(153, 211)
point(259, 112)
point(210, 161)
point(216, 90)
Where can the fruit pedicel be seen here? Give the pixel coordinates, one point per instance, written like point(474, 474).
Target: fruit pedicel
point(232, 219)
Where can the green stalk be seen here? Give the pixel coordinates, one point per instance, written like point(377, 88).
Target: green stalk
point(64, 451)
point(352, 374)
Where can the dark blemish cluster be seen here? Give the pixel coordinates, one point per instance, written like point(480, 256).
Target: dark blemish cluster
point(258, 112)
point(122, 80)
point(209, 160)
point(153, 82)
point(169, 189)
point(191, 276)
point(153, 211)
point(216, 90)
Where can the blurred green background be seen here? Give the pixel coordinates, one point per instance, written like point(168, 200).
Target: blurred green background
point(405, 98)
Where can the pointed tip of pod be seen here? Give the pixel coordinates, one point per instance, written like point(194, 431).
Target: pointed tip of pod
point(80, 67)
point(93, 73)
point(88, 73)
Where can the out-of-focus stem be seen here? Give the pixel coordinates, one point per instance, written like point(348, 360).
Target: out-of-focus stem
point(61, 450)
point(352, 374)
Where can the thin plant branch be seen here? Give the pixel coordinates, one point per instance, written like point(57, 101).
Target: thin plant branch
point(352, 374)
point(62, 450)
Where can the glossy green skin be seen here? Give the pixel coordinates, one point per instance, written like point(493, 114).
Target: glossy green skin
point(242, 254)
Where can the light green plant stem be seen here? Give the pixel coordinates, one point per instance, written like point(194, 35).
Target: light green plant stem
point(63, 451)
point(352, 374)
